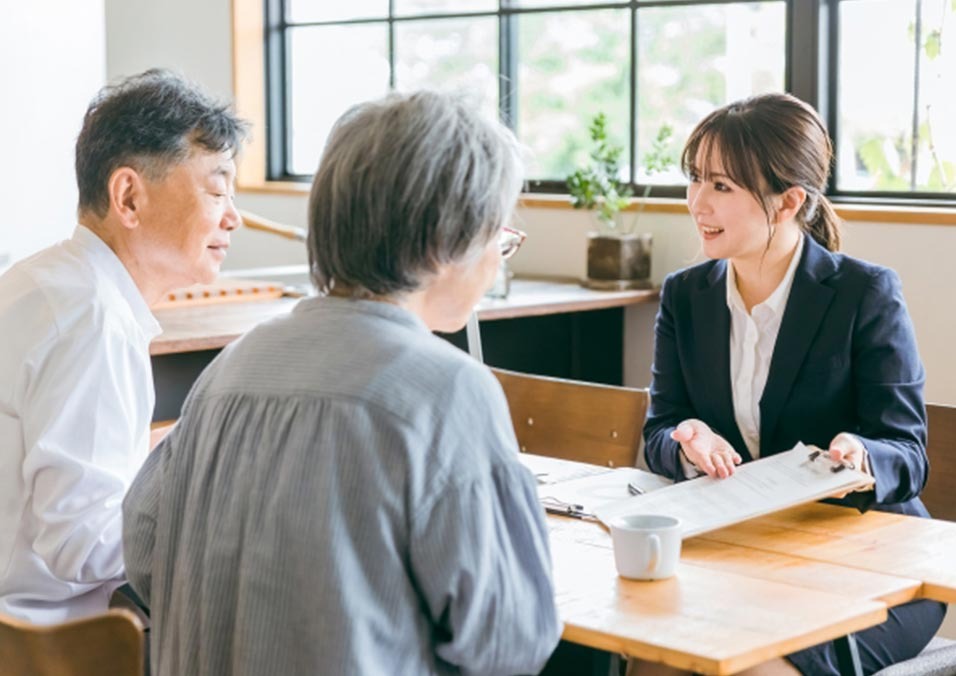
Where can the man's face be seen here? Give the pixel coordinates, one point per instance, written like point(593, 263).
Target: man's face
point(186, 221)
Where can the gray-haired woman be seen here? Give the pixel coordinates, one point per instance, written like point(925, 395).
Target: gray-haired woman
point(343, 493)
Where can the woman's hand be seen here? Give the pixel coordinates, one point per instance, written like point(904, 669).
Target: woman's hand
point(848, 449)
point(707, 451)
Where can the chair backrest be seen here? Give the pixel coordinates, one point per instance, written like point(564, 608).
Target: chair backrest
point(941, 450)
point(111, 643)
point(598, 424)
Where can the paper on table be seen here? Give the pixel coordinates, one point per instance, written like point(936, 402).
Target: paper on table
point(555, 470)
point(756, 488)
point(595, 491)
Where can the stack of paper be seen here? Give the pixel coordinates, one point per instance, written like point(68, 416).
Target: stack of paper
point(756, 488)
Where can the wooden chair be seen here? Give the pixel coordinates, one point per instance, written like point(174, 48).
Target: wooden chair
point(941, 449)
point(572, 420)
point(108, 644)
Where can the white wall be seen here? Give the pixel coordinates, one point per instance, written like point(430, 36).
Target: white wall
point(192, 38)
point(52, 62)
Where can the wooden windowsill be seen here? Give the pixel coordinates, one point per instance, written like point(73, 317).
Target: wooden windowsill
point(848, 212)
point(660, 205)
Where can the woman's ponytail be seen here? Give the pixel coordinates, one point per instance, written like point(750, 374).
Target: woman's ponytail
point(823, 224)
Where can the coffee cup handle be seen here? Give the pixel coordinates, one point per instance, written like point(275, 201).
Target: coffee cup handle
point(654, 556)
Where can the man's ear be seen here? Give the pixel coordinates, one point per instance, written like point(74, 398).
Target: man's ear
point(789, 203)
point(127, 192)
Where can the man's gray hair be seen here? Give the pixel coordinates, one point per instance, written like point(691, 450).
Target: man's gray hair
point(151, 122)
point(408, 183)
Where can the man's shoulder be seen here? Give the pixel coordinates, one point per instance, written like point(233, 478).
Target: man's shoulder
point(55, 293)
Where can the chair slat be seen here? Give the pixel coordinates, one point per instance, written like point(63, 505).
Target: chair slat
point(573, 420)
point(938, 496)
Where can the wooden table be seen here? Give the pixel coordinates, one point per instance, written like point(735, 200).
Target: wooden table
point(727, 609)
point(894, 544)
point(754, 591)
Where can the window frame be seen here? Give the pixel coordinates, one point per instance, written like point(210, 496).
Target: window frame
point(811, 49)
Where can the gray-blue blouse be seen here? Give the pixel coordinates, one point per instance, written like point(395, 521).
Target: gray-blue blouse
point(342, 495)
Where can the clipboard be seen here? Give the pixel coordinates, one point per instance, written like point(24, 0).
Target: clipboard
point(756, 488)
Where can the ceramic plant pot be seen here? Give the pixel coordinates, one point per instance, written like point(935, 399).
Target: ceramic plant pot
point(619, 261)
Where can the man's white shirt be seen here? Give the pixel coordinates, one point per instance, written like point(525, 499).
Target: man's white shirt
point(76, 399)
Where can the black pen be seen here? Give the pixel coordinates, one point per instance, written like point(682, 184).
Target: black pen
point(564, 511)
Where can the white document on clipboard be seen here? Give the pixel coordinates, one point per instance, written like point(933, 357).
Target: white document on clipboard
point(578, 489)
point(756, 488)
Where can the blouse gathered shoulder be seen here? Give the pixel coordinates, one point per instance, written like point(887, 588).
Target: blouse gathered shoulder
point(343, 492)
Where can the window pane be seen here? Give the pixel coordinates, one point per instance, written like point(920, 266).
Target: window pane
point(412, 7)
point(874, 129)
point(876, 148)
point(321, 92)
point(936, 106)
point(692, 60)
point(300, 11)
point(571, 66)
point(460, 54)
point(555, 3)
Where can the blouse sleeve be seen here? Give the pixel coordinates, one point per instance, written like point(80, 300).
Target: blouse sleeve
point(479, 548)
point(140, 509)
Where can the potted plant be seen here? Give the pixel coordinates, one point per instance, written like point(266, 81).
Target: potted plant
point(618, 258)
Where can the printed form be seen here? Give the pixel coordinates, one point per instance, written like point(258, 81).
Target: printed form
point(756, 488)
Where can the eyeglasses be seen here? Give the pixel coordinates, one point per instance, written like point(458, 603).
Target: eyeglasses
point(509, 241)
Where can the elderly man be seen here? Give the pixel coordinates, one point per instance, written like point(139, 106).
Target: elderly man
point(155, 169)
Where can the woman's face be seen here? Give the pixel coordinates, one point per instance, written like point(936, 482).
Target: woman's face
point(454, 292)
point(731, 223)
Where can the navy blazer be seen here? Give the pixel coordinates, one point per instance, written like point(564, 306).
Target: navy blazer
point(845, 360)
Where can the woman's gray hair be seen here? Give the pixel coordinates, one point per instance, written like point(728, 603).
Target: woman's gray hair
point(408, 183)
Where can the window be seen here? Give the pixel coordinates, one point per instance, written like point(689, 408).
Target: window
point(548, 66)
point(896, 112)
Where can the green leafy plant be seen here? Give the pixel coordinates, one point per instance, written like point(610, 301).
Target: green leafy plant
point(597, 186)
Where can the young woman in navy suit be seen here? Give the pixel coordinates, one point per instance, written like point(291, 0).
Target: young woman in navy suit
point(779, 339)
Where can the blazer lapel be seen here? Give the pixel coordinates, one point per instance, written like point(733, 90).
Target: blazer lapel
point(802, 318)
point(711, 322)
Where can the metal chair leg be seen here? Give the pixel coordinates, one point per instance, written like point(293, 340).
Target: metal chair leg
point(848, 656)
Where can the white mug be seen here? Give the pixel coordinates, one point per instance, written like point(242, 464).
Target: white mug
point(646, 546)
